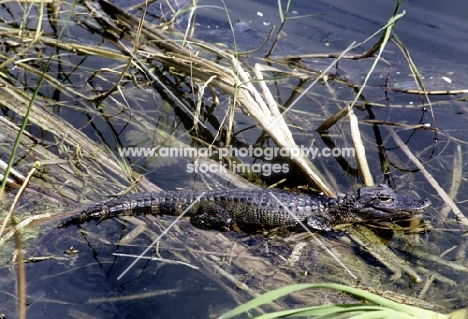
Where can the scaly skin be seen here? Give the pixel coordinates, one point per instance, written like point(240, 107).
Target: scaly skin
point(222, 210)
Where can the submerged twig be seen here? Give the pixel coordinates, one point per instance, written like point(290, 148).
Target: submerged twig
point(417, 76)
point(169, 261)
point(459, 215)
point(368, 241)
point(457, 175)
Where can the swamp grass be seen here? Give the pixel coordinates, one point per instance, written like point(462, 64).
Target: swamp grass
point(90, 166)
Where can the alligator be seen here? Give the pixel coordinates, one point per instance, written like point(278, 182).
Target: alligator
point(227, 210)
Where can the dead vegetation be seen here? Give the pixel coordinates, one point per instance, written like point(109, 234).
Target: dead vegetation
point(141, 62)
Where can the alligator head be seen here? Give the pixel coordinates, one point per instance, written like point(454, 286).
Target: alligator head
point(382, 203)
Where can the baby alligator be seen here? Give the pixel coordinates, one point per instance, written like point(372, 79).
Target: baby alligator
point(225, 209)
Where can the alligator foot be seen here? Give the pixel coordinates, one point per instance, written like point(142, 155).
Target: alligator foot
point(212, 216)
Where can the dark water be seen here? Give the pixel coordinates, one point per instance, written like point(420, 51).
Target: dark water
point(434, 33)
point(88, 284)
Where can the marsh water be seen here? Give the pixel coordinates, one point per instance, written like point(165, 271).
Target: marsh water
point(81, 277)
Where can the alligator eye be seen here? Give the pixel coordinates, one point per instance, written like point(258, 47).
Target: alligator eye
point(385, 199)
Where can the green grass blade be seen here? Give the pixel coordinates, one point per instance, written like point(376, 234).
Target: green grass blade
point(385, 309)
point(323, 311)
point(265, 298)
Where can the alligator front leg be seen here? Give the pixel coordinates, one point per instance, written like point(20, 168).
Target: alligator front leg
point(318, 223)
point(212, 216)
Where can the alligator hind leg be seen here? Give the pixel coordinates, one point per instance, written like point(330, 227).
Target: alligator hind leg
point(212, 216)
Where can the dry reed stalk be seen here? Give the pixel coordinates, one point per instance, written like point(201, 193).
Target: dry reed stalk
point(233, 80)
